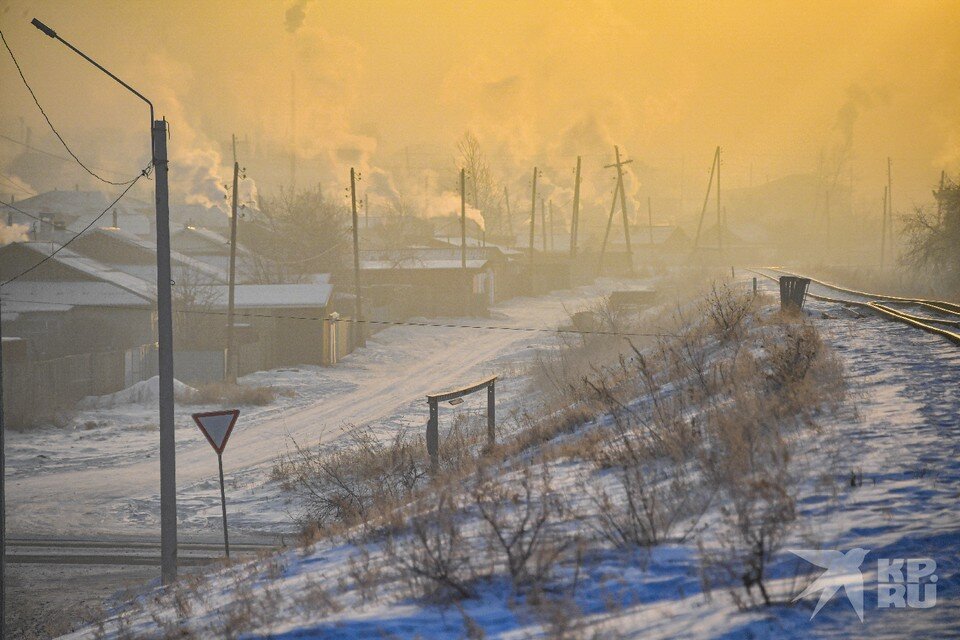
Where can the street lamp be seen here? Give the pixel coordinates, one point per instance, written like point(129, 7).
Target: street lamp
point(168, 478)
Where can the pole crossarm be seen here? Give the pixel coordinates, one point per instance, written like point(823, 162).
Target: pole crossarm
point(463, 391)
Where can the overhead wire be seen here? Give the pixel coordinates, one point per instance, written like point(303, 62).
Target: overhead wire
point(63, 246)
point(54, 129)
point(397, 323)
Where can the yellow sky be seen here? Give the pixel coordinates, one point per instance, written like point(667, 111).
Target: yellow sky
point(775, 83)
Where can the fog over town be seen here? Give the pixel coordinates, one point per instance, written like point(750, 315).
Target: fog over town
point(492, 320)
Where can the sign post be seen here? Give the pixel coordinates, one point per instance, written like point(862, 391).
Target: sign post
point(217, 426)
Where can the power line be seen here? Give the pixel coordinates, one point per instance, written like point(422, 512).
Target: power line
point(48, 154)
point(396, 323)
point(16, 186)
point(19, 210)
point(82, 231)
point(54, 129)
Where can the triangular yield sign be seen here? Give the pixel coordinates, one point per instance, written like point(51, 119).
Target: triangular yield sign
point(217, 425)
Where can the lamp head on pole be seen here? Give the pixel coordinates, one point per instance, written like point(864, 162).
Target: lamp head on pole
point(47, 30)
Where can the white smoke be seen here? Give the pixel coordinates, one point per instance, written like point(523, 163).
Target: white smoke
point(13, 233)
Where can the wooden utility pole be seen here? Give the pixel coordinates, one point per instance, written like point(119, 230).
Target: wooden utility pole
point(533, 212)
point(575, 218)
point(606, 234)
point(623, 203)
point(358, 304)
point(366, 209)
point(230, 374)
point(706, 199)
point(463, 218)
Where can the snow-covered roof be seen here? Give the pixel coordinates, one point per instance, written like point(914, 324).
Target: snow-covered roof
point(68, 204)
point(93, 268)
point(216, 241)
point(271, 296)
point(420, 263)
point(44, 295)
point(176, 258)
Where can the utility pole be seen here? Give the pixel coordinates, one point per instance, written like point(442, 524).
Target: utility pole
point(623, 203)
point(463, 218)
point(3, 504)
point(706, 199)
point(606, 234)
point(168, 468)
point(366, 209)
point(533, 213)
point(168, 451)
point(575, 219)
point(358, 309)
point(230, 375)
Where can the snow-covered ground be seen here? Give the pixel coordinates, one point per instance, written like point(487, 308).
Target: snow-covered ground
point(100, 474)
point(899, 429)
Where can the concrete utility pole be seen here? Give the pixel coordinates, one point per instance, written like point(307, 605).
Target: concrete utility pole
point(358, 309)
point(3, 504)
point(168, 468)
point(463, 218)
point(575, 219)
point(230, 375)
point(168, 452)
point(623, 203)
point(533, 213)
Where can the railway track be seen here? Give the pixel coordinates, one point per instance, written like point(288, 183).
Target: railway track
point(129, 552)
point(933, 316)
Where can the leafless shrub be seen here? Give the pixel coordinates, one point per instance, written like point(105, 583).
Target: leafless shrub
point(433, 555)
point(727, 308)
point(517, 517)
point(343, 484)
point(366, 574)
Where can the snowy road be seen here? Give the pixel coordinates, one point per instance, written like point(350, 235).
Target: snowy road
point(112, 487)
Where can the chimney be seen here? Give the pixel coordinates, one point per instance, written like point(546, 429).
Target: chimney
point(116, 225)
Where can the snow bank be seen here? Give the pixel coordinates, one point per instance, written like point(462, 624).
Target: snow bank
point(144, 392)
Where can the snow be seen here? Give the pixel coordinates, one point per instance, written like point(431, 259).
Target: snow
point(900, 430)
point(146, 392)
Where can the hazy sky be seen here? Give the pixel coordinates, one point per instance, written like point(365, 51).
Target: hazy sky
point(775, 83)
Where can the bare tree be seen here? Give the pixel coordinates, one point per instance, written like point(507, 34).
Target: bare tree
point(933, 236)
point(484, 192)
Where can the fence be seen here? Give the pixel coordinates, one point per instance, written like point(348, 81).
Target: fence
point(42, 387)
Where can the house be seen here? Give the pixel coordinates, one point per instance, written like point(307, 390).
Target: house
point(138, 257)
point(429, 281)
point(276, 324)
point(212, 248)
